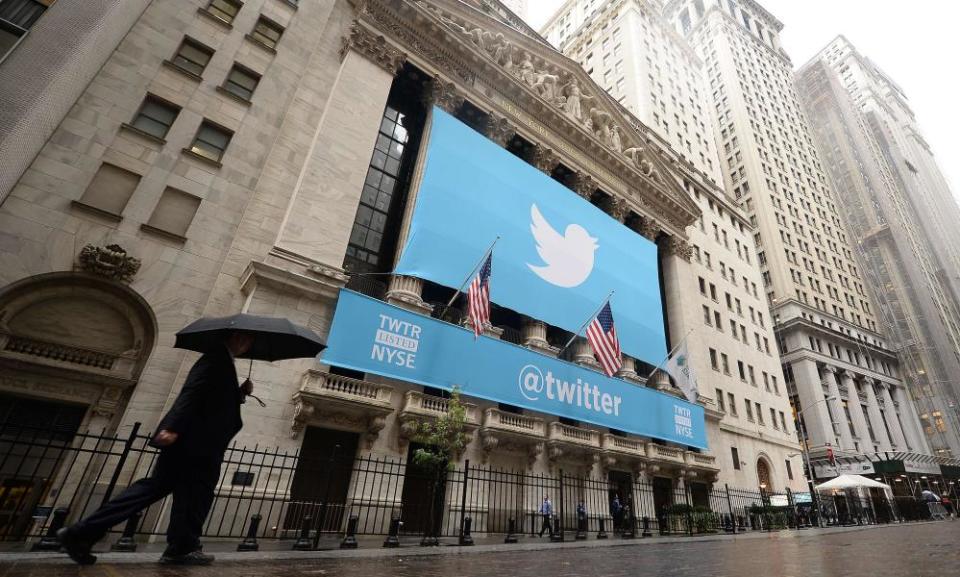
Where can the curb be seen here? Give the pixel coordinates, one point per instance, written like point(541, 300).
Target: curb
point(452, 549)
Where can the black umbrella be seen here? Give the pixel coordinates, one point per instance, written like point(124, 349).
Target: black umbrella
point(275, 338)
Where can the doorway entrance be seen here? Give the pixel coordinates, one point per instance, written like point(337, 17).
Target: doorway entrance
point(322, 477)
point(419, 485)
point(620, 491)
point(35, 439)
point(662, 495)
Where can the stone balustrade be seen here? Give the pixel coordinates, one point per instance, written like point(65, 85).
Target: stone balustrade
point(497, 420)
point(562, 433)
point(418, 404)
point(624, 445)
point(664, 453)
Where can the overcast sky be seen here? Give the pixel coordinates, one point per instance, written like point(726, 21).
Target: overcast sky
point(915, 43)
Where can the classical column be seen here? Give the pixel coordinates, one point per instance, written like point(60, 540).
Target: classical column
point(873, 413)
point(646, 227)
point(913, 431)
point(810, 392)
point(629, 370)
point(899, 440)
point(861, 431)
point(321, 211)
point(534, 335)
point(403, 291)
point(836, 406)
point(583, 353)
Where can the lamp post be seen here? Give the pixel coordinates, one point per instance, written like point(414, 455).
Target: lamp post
point(806, 457)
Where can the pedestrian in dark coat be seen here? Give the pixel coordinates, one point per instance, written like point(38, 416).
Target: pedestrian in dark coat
point(192, 437)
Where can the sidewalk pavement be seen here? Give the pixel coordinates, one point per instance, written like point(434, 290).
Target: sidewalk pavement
point(371, 547)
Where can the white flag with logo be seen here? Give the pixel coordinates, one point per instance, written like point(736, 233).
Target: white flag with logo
point(678, 366)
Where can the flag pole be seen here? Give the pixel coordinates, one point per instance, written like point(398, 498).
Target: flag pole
point(472, 272)
point(673, 350)
point(590, 318)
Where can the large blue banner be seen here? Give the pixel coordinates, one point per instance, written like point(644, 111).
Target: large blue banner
point(374, 337)
point(558, 256)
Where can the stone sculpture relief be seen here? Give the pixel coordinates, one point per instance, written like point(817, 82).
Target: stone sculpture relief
point(558, 88)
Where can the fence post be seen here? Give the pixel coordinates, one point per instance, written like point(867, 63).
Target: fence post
point(558, 520)
point(324, 507)
point(127, 445)
point(602, 533)
point(50, 541)
point(733, 518)
point(350, 539)
point(646, 527)
point(249, 542)
point(465, 538)
point(126, 543)
point(303, 542)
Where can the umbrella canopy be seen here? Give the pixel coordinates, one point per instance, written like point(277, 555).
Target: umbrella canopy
point(275, 338)
point(851, 482)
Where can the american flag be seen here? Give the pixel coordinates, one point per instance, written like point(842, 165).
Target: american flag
point(478, 297)
point(603, 338)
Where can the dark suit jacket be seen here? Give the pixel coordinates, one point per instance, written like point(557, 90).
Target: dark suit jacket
point(206, 414)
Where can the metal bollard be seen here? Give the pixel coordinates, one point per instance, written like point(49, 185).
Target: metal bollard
point(581, 534)
point(303, 542)
point(350, 539)
point(646, 527)
point(511, 530)
point(249, 542)
point(741, 527)
point(393, 537)
point(602, 534)
point(557, 536)
point(465, 537)
point(50, 541)
point(126, 543)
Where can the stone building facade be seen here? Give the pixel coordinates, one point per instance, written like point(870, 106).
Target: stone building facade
point(842, 375)
point(632, 51)
point(259, 157)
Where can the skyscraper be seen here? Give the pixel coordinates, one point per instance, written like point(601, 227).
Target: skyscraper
point(843, 376)
point(717, 302)
point(896, 209)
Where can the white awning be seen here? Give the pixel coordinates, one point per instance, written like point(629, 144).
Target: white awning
point(851, 482)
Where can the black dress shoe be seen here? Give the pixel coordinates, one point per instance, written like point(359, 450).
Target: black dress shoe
point(191, 558)
point(78, 549)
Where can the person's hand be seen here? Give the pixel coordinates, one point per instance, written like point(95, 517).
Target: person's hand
point(246, 388)
point(165, 438)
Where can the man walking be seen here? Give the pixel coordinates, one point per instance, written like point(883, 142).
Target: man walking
point(546, 510)
point(192, 438)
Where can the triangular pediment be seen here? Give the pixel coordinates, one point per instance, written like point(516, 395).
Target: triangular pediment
point(564, 85)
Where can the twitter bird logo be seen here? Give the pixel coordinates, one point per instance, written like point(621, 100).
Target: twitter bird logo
point(568, 258)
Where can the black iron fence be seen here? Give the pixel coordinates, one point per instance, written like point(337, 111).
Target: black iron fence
point(50, 477)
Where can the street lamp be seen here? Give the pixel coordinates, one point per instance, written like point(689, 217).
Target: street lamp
point(806, 455)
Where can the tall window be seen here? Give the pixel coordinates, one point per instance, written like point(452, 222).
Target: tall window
point(16, 17)
point(735, 455)
point(267, 32)
point(225, 10)
point(367, 249)
point(211, 141)
point(192, 56)
point(241, 82)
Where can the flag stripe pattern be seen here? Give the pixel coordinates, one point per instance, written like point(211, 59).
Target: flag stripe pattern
point(603, 338)
point(478, 297)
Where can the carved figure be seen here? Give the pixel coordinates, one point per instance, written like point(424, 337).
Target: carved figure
point(525, 71)
point(573, 105)
point(109, 261)
point(639, 159)
point(546, 86)
point(615, 142)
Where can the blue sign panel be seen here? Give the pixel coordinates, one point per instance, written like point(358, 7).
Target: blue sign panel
point(374, 337)
point(558, 256)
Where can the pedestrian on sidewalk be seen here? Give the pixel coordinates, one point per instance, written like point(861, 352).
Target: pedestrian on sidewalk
point(546, 511)
point(192, 438)
point(616, 511)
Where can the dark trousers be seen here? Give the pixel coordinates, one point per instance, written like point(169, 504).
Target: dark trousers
point(190, 479)
point(546, 525)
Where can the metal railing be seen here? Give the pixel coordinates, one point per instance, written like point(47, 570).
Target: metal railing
point(43, 471)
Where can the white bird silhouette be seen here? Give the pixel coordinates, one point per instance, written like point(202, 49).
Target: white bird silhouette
point(568, 258)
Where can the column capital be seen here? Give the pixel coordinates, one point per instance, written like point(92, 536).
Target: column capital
point(646, 227)
point(675, 246)
point(616, 207)
point(582, 184)
point(544, 158)
point(498, 129)
point(830, 368)
point(438, 91)
point(373, 47)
